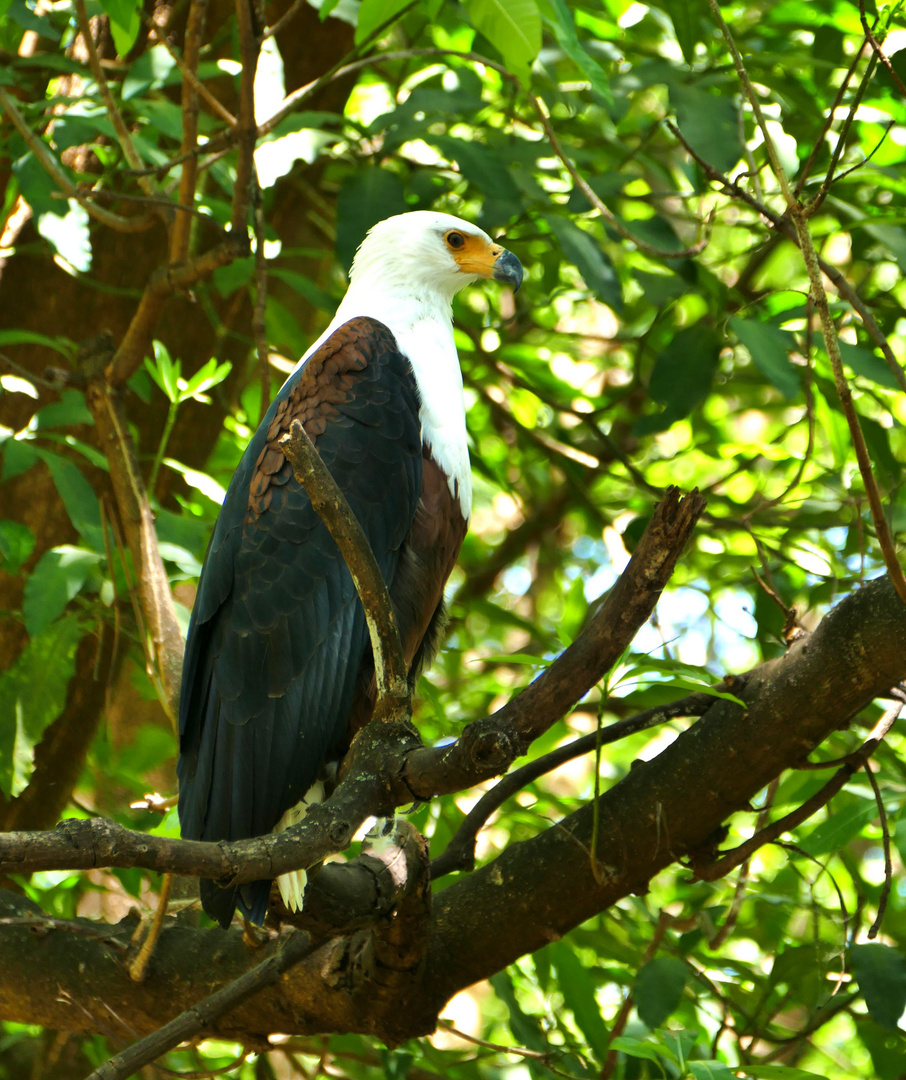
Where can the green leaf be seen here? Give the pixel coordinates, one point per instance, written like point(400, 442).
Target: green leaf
point(78, 497)
point(686, 16)
point(779, 1072)
point(374, 13)
point(578, 988)
point(637, 1048)
point(18, 457)
point(683, 372)
point(481, 166)
point(58, 576)
point(881, 973)
point(513, 27)
point(69, 411)
point(28, 337)
point(17, 542)
point(526, 1029)
point(887, 1049)
point(208, 375)
point(837, 831)
point(564, 29)
point(770, 349)
point(586, 254)
point(125, 22)
point(165, 371)
point(711, 1070)
point(149, 72)
point(367, 196)
point(863, 362)
point(709, 124)
point(658, 989)
point(32, 696)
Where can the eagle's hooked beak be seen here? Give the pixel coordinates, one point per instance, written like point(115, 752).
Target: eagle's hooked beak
point(474, 255)
point(508, 268)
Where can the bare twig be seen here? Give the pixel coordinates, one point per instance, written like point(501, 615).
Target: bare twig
point(888, 864)
point(830, 176)
point(163, 283)
point(138, 969)
point(799, 216)
point(851, 764)
point(199, 1018)
point(879, 52)
point(259, 320)
point(181, 232)
point(188, 73)
point(784, 226)
point(829, 119)
point(157, 610)
point(588, 191)
point(393, 695)
point(246, 132)
point(742, 882)
point(460, 852)
point(538, 1056)
point(123, 135)
point(51, 166)
point(489, 746)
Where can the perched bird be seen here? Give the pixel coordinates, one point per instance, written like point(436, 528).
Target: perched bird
point(278, 672)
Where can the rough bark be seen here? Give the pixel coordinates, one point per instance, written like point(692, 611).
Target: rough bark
point(663, 810)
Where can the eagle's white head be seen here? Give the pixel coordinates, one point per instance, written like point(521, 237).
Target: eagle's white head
point(405, 274)
point(425, 253)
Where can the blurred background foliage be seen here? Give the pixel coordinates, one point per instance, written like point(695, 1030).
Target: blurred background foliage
point(617, 370)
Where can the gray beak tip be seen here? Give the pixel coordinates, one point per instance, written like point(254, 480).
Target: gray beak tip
point(508, 269)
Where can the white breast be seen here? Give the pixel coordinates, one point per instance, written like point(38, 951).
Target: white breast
point(424, 334)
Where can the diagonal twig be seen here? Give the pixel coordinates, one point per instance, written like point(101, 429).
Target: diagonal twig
point(200, 1017)
point(459, 854)
point(393, 694)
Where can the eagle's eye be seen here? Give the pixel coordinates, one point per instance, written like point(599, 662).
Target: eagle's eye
point(455, 240)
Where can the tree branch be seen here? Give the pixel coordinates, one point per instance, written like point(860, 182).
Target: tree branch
point(393, 693)
point(459, 854)
point(663, 809)
point(489, 746)
point(206, 1013)
point(165, 643)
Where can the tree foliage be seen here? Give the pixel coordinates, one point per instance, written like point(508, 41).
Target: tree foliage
point(709, 204)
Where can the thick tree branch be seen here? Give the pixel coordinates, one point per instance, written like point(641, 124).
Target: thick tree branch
point(663, 809)
point(201, 1017)
point(387, 766)
point(489, 746)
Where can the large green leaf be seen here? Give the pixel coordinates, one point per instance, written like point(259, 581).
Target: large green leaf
point(682, 375)
point(78, 497)
point(17, 542)
point(770, 349)
point(658, 989)
point(564, 28)
point(586, 254)
point(578, 986)
point(709, 124)
point(366, 197)
point(373, 14)
point(837, 831)
point(32, 696)
point(58, 576)
point(513, 27)
point(881, 974)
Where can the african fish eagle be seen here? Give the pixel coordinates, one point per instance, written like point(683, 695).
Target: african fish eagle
point(278, 672)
